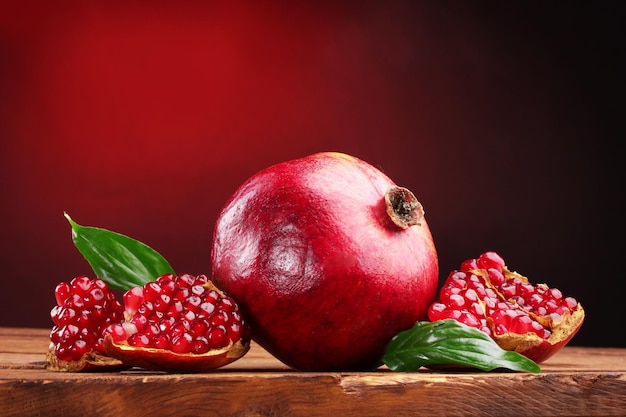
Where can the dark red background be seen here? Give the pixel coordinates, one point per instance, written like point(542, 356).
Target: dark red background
point(143, 118)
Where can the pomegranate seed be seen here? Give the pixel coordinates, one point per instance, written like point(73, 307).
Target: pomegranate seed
point(526, 290)
point(212, 296)
point(146, 309)
point(161, 342)
point(471, 295)
point(162, 302)
point(66, 316)
point(181, 294)
point(61, 292)
point(198, 327)
point(180, 327)
point(182, 343)
point(436, 309)
point(117, 332)
point(468, 319)
point(200, 345)
point(535, 300)
point(197, 290)
point(206, 309)
point(166, 324)
point(80, 285)
point(217, 337)
point(54, 314)
point(234, 332)
point(490, 303)
point(168, 286)
point(133, 299)
point(174, 308)
point(570, 303)
point(469, 265)
point(79, 348)
point(508, 290)
point(151, 291)
point(202, 279)
point(227, 304)
point(496, 277)
point(555, 294)
point(477, 309)
point(151, 330)
point(458, 279)
point(139, 340)
point(219, 318)
point(75, 301)
point(93, 297)
point(185, 280)
point(456, 301)
point(520, 324)
point(139, 321)
point(490, 260)
point(551, 305)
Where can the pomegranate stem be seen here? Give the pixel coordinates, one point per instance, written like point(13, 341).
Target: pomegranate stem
point(403, 208)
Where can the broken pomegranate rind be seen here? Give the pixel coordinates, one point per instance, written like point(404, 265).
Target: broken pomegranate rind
point(531, 319)
point(89, 362)
point(166, 360)
point(539, 349)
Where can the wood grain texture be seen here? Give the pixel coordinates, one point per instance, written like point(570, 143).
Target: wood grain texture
point(575, 382)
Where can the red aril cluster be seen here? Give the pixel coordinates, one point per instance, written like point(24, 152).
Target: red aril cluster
point(85, 307)
point(174, 316)
point(535, 320)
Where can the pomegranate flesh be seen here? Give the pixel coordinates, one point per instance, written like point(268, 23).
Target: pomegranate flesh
point(328, 258)
point(84, 308)
point(178, 323)
point(534, 320)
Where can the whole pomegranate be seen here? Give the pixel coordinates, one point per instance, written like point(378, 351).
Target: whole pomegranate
point(84, 308)
point(180, 323)
point(534, 320)
point(328, 258)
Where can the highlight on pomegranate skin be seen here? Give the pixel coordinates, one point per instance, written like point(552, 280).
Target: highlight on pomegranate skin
point(534, 320)
point(84, 308)
point(178, 323)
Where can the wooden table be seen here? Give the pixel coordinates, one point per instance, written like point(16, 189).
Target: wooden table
point(575, 382)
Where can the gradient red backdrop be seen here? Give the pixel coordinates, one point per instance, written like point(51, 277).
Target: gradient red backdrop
point(144, 117)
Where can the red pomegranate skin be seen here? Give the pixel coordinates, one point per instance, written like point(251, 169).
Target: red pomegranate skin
point(307, 250)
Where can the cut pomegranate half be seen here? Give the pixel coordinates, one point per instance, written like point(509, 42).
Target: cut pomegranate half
point(534, 320)
point(179, 323)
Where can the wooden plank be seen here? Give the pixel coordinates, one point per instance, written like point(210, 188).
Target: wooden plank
point(311, 394)
point(575, 382)
point(34, 342)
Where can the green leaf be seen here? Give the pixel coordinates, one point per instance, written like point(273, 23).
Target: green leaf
point(118, 260)
point(449, 342)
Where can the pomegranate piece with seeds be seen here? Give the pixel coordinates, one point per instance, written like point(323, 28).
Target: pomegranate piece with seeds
point(180, 323)
point(85, 307)
point(534, 320)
